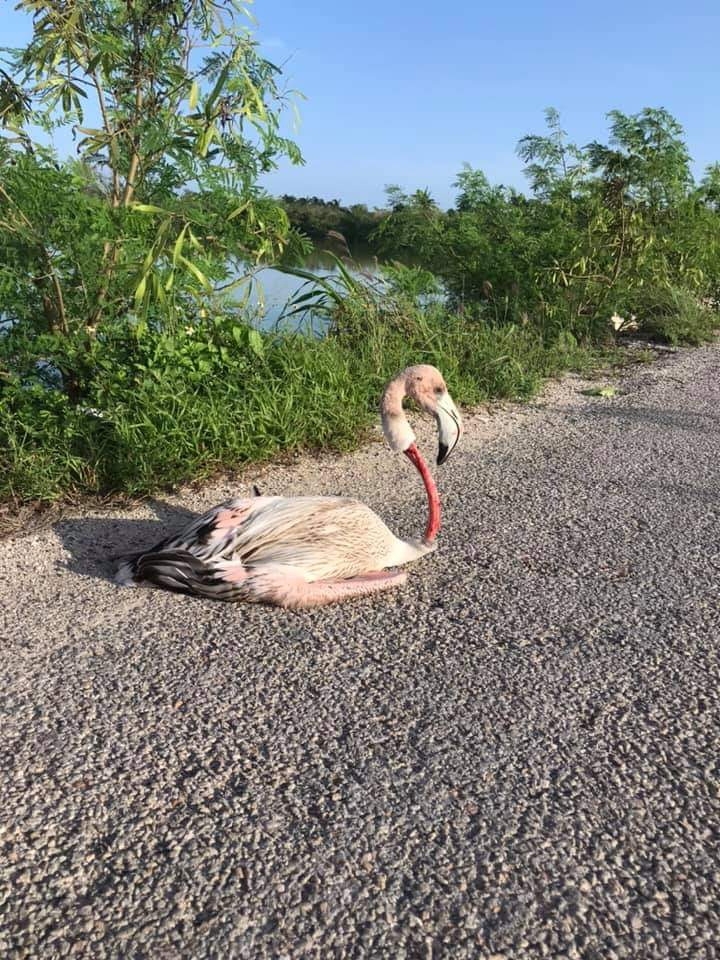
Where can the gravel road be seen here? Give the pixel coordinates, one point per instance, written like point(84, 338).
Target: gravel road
point(516, 755)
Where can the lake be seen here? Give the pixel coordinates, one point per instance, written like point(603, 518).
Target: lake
point(271, 289)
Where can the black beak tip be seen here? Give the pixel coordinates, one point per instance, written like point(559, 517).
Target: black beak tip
point(443, 454)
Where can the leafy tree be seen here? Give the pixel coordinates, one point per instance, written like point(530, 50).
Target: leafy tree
point(474, 189)
point(604, 226)
point(175, 114)
point(316, 218)
point(709, 191)
point(646, 159)
point(553, 165)
point(414, 228)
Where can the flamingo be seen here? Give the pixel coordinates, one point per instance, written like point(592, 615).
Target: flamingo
point(301, 552)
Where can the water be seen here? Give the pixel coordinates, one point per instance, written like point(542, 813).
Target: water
point(270, 290)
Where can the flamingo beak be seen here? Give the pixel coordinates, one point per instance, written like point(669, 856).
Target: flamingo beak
point(449, 426)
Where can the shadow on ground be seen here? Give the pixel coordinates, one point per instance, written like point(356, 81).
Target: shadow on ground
point(95, 543)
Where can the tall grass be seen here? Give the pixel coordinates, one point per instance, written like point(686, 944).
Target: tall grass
point(169, 408)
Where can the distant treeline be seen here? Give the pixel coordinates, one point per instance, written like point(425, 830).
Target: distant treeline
point(316, 218)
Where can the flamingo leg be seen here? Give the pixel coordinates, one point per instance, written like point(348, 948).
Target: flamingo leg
point(285, 587)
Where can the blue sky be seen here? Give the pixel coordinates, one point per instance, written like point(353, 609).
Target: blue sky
point(406, 92)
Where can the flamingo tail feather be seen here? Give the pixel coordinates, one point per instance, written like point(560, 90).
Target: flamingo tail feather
point(179, 571)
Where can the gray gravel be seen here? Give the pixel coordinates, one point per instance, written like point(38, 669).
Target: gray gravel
point(516, 755)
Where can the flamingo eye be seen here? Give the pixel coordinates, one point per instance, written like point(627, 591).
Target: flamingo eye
point(439, 390)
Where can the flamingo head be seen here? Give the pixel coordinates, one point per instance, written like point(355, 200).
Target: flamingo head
point(425, 385)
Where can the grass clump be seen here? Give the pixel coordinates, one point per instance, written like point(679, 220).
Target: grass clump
point(676, 315)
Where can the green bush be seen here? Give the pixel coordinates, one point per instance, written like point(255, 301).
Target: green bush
point(675, 315)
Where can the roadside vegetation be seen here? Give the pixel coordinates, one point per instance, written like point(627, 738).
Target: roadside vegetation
point(129, 358)
point(606, 229)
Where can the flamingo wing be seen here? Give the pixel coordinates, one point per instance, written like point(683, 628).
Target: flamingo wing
point(320, 538)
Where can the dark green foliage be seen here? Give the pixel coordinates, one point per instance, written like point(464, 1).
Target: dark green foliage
point(316, 218)
point(603, 225)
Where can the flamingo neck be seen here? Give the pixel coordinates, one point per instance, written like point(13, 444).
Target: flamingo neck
point(397, 430)
point(433, 522)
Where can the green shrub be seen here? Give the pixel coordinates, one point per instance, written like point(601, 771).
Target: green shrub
point(675, 315)
point(164, 408)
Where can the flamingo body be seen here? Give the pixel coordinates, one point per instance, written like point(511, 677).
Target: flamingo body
point(300, 551)
point(319, 538)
